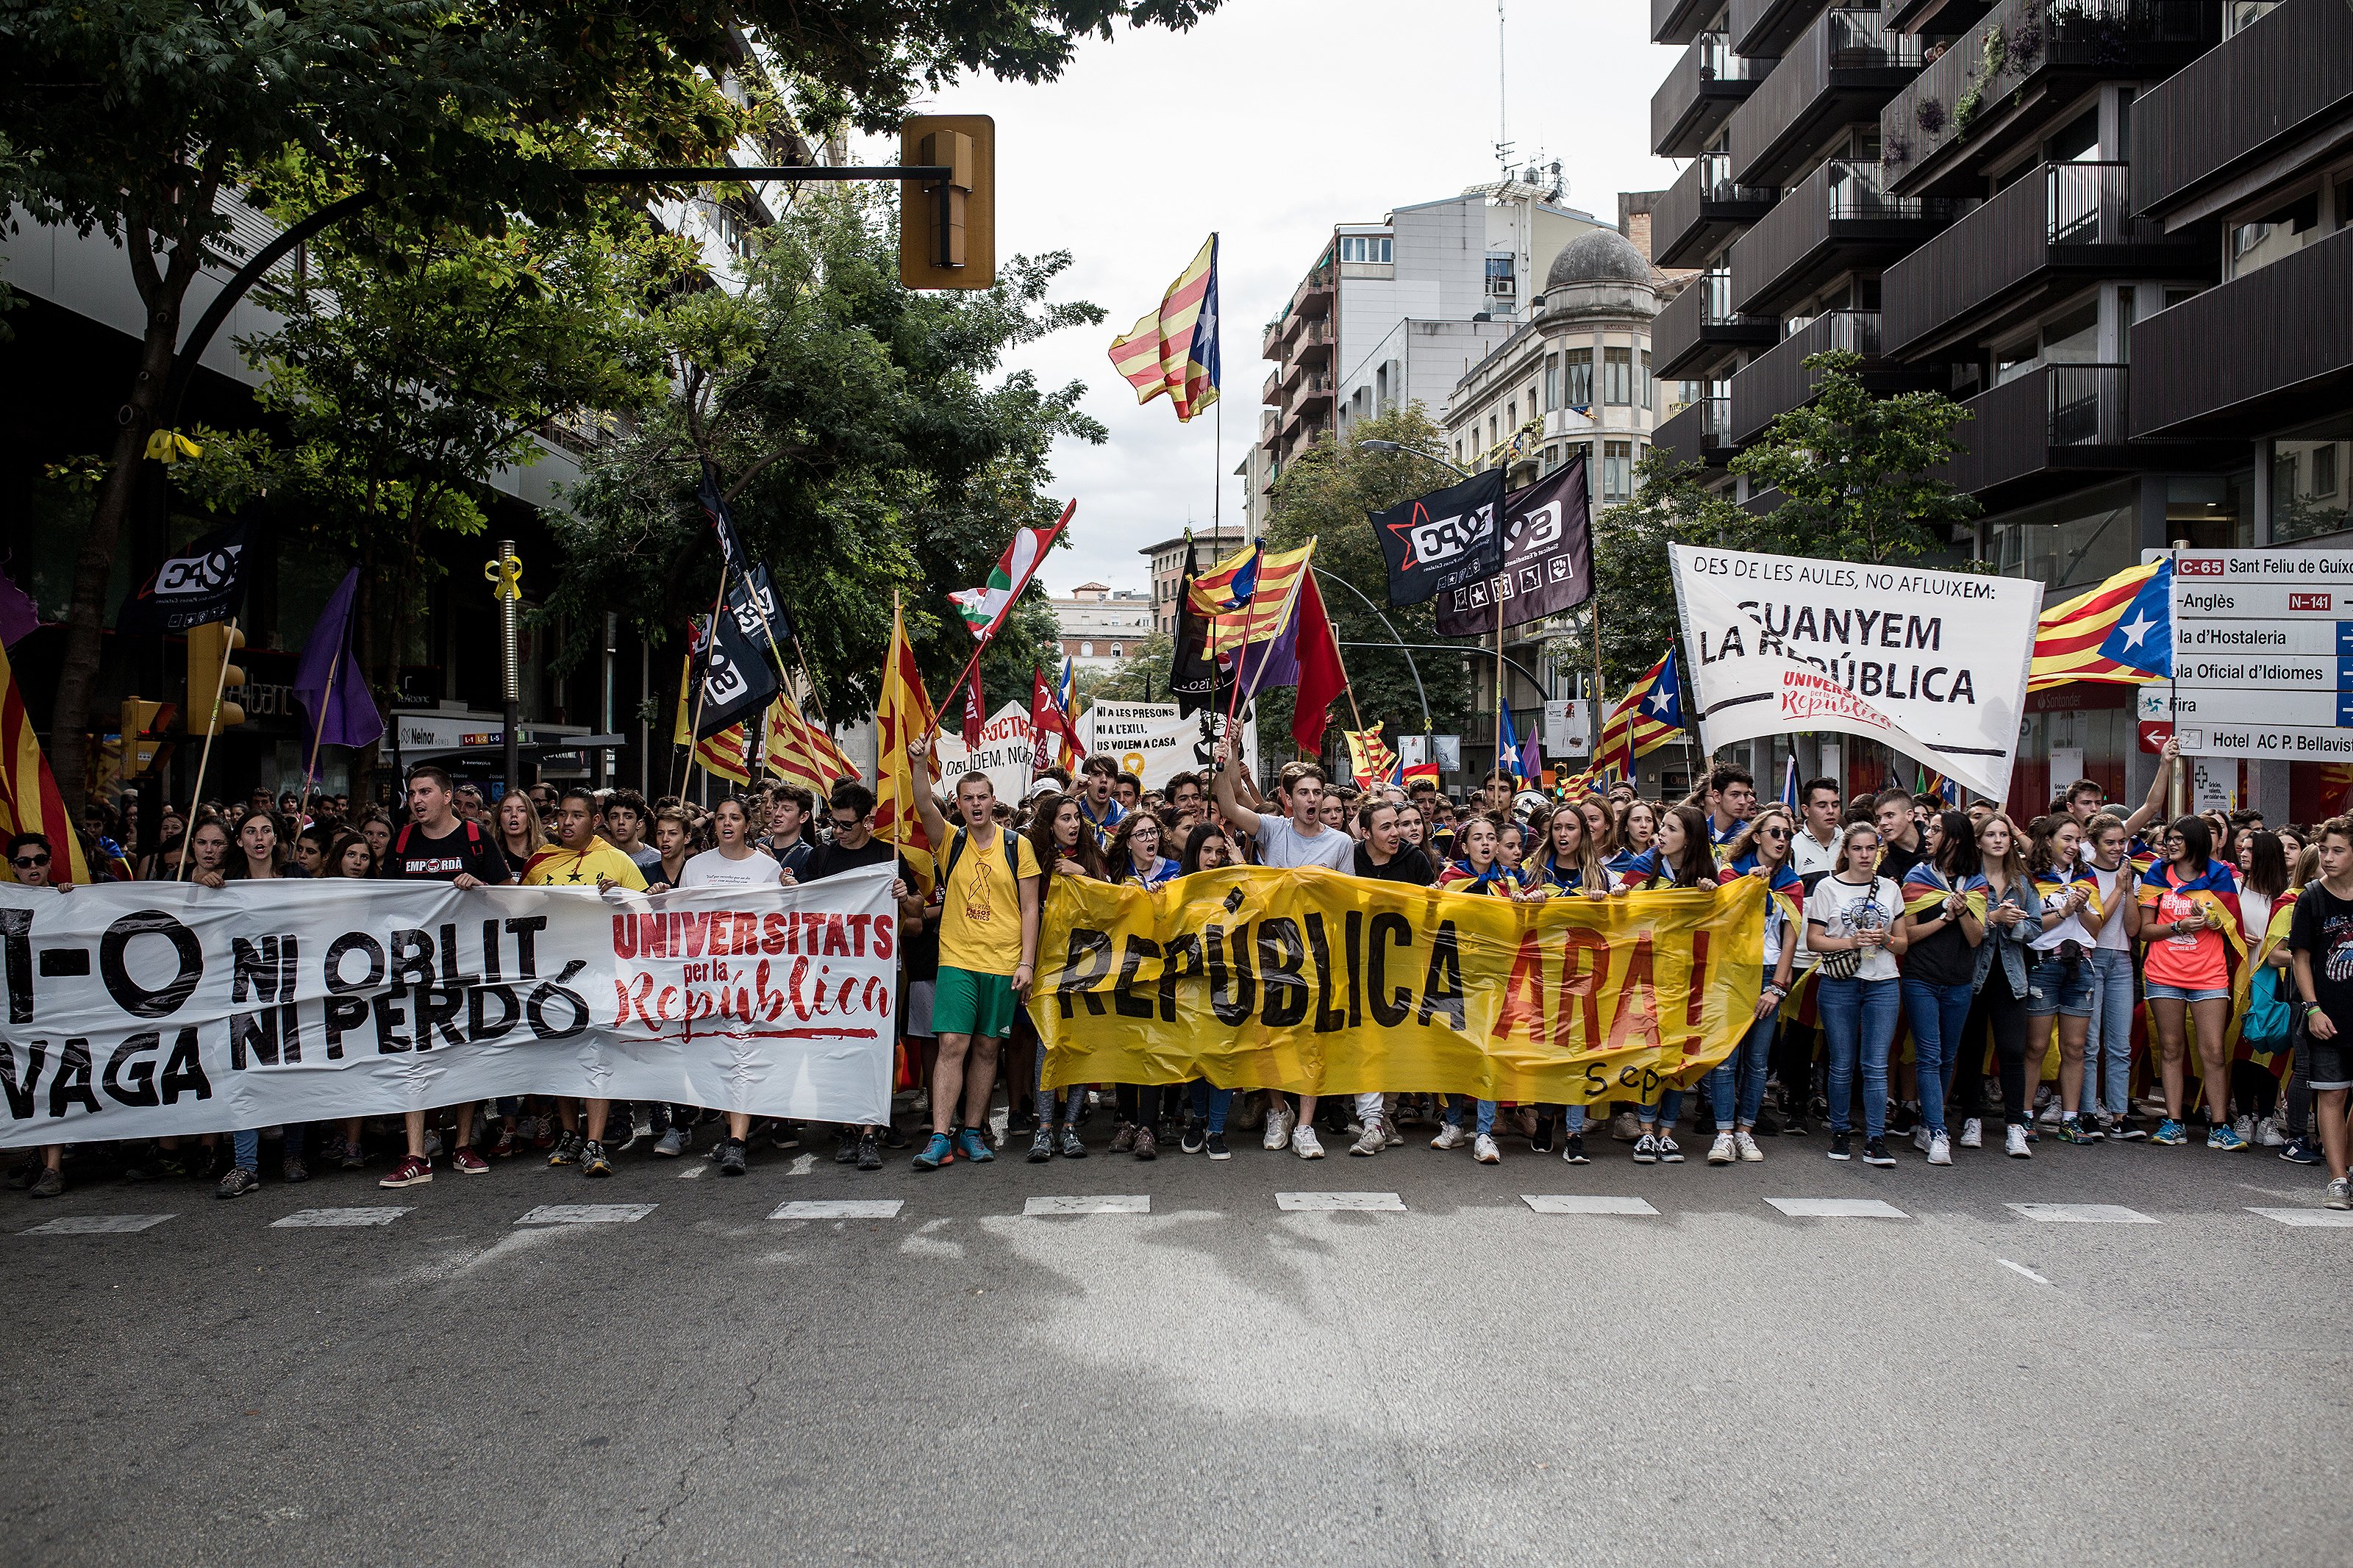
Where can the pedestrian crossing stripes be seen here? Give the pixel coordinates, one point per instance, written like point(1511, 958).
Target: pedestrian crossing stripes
point(586, 1214)
point(1585, 1202)
point(840, 1208)
point(2333, 1219)
point(98, 1224)
point(1128, 1204)
point(1837, 1208)
point(302, 1219)
point(1330, 1203)
point(2081, 1214)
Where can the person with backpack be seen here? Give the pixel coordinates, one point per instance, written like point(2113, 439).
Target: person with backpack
point(988, 954)
point(433, 846)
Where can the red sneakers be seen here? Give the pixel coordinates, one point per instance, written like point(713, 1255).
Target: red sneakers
point(470, 1163)
point(414, 1171)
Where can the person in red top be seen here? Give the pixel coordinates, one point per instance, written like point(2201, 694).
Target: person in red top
point(2186, 902)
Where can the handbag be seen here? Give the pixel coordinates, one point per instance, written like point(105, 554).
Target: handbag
point(2269, 1018)
point(1843, 964)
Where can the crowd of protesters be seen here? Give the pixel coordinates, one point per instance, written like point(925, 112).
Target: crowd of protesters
point(1929, 970)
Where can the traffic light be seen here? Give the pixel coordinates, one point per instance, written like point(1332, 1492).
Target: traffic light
point(209, 671)
point(947, 238)
point(141, 721)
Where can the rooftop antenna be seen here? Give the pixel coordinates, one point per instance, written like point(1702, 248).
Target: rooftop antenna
point(1503, 115)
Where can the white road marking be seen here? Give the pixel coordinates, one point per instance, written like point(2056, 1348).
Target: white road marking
point(802, 1165)
point(2317, 1218)
point(1325, 1203)
point(692, 1172)
point(840, 1208)
point(305, 1218)
point(1581, 1203)
point(1129, 1204)
point(586, 1214)
point(98, 1225)
point(1837, 1208)
point(2081, 1214)
point(2021, 1269)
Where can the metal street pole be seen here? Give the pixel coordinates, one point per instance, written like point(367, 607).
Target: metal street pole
point(506, 579)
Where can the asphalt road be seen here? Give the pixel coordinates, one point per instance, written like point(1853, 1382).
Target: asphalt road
point(1217, 1379)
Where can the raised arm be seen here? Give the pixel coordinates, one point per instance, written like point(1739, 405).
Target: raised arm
point(2157, 786)
point(1229, 799)
point(935, 826)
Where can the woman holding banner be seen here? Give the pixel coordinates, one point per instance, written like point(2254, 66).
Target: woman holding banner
point(1637, 829)
point(1942, 930)
point(2059, 977)
point(2189, 921)
point(1065, 845)
point(1479, 872)
point(1851, 921)
point(2013, 919)
point(1134, 854)
point(1737, 1086)
point(1684, 856)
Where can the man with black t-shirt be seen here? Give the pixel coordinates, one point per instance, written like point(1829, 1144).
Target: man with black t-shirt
point(2321, 938)
point(851, 810)
point(435, 847)
point(1899, 834)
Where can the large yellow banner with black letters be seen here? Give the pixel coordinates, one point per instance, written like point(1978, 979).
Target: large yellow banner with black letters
point(1324, 983)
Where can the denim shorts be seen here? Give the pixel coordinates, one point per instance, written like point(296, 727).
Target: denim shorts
point(2158, 990)
point(2054, 985)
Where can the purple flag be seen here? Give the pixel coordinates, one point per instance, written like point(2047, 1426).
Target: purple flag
point(341, 712)
point(1531, 758)
point(1269, 663)
point(18, 614)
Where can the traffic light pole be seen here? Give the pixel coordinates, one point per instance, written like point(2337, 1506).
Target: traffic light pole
point(204, 758)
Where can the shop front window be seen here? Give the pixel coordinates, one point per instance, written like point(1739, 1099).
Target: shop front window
point(2079, 540)
point(2211, 511)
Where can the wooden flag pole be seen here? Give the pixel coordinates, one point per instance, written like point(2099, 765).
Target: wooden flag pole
point(694, 729)
point(204, 758)
point(317, 738)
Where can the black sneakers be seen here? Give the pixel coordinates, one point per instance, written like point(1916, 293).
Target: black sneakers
point(1875, 1153)
point(1839, 1146)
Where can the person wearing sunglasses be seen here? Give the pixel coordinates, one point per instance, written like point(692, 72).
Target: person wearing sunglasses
point(30, 856)
point(1737, 1087)
point(850, 811)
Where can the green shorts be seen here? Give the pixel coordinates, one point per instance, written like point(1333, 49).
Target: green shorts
point(965, 1002)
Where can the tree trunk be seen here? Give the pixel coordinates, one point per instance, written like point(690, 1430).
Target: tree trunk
point(85, 621)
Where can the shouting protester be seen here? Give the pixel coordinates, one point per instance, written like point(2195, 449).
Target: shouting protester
point(580, 858)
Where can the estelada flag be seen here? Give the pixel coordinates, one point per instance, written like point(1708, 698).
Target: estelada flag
point(29, 801)
point(2068, 637)
point(1369, 757)
point(1649, 716)
point(1175, 348)
point(792, 755)
point(984, 608)
point(903, 715)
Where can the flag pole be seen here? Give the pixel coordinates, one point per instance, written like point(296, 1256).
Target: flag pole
point(318, 739)
point(196, 793)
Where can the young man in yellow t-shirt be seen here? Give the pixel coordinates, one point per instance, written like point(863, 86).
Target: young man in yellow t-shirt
point(988, 951)
point(578, 857)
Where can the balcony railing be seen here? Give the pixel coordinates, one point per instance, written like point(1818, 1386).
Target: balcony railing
point(1702, 205)
point(2063, 217)
point(1699, 323)
point(1841, 211)
point(2251, 351)
point(1775, 382)
point(1707, 83)
point(1271, 393)
point(1844, 67)
point(2055, 419)
point(1767, 26)
point(1959, 102)
point(2282, 75)
point(1678, 21)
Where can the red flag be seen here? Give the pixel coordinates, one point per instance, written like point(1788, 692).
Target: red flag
point(1321, 675)
point(1049, 716)
point(975, 713)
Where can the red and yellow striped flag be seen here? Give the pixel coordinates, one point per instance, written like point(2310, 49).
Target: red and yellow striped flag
point(903, 714)
point(2067, 638)
point(29, 801)
point(1175, 348)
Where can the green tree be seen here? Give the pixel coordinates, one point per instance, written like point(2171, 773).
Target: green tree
point(1326, 494)
point(860, 449)
point(1630, 578)
point(150, 119)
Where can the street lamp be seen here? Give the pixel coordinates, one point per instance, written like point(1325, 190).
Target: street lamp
point(1374, 445)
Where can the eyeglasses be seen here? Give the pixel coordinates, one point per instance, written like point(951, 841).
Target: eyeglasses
point(26, 862)
point(1772, 833)
point(846, 824)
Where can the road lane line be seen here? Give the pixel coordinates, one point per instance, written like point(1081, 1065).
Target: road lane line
point(1331, 1202)
point(1837, 1208)
point(302, 1219)
point(2313, 1219)
point(1117, 1204)
point(98, 1225)
point(2081, 1214)
point(1583, 1202)
point(2022, 1268)
point(839, 1208)
point(586, 1214)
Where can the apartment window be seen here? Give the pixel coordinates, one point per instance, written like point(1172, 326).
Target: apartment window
point(1493, 435)
point(2308, 480)
point(1086, 650)
point(1364, 247)
point(1552, 381)
point(1501, 273)
point(1618, 376)
point(1512, 414)
point(1115, 650)
point(2274, 235)
point(1617, 471)
point(2082, 538)
point(1552, 459)
point(1577, 365)
point(1644, 396)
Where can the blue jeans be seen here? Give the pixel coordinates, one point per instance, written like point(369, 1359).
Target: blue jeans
point(1939, 1014)
point(1859, 1018)
point(2107, 1049)
point(1212, 1103)
point(1737, 1087)
point(1668, 1106)
point(246, 1147)
point(1485, 1123)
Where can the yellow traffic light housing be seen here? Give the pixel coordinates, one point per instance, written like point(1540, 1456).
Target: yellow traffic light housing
point(211, 677)
point(142, 722)
point(947, 232)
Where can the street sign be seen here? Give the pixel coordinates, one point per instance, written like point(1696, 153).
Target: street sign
point(2241, 705)
point(2264, 670)
point(2293, 639)
point(2262, 654)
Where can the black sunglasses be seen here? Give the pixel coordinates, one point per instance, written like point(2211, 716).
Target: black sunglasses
point(847, 822)
point(29, 861)
point(1772, 833)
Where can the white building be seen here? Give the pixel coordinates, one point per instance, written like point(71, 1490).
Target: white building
point(1103, 629)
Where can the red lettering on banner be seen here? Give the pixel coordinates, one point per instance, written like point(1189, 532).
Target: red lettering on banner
point(1695, 997)
point(1580, 982)
point(1523, 994)
point(1638, 1001)
point(772, 933)
point(696, 930)
point(625, 937)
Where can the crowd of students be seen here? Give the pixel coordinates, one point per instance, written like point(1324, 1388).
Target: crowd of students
point(1921, 963)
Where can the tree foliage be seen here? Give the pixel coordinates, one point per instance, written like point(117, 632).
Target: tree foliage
point(862, 449)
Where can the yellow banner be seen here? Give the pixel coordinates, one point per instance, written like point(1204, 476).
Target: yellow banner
point(1324, 983)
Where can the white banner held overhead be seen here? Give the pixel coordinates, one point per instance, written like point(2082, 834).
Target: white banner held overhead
point(1003, 752)
point(140, 1009)
point(1155, 742)
point(1933, 664)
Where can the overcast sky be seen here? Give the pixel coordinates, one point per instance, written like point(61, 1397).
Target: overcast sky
point(1268, 123)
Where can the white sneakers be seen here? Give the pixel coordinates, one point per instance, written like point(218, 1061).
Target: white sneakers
point(1278, 1125)
point(1746, 1145)
point(1483, 1150)
point(1723, 1152)
point(1920, 1137)
point(2268, 1134)
point(2245, 1127)
point(1450, 1137)
point(2013, 1142)
point(1972, 1133)
point(1305, 1144)
point(1940, 1149)
point(1373, 1139)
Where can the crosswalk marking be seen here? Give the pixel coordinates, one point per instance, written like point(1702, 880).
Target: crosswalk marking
point(839, 1208)
point(98, 1225)
point(586, 1214)
point(2081, 1214)
point(1837, 1208)
point(1123, 1204)
point(324, 1218)
point(2314, 1218)
point(1584, 1203)
point(1327, 1203)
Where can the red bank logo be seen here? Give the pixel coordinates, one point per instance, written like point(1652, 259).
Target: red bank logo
point(2308, 602)
point(2194, 566)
